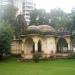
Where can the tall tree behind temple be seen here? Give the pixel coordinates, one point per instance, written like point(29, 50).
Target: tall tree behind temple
point(57, 18)
point(60, 19)
point(73, 25)
point(73, 19)
point(9, 14)
point(38, 17)
point(21, 25)
point(6, 35)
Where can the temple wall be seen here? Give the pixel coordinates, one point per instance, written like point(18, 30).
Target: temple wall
point(28, 46)
point(48, 45)
point(44, 44)
point(51, 46)
point(16, 47)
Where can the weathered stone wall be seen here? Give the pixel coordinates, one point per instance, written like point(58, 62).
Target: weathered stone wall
point(48, 45)
point(16, 47)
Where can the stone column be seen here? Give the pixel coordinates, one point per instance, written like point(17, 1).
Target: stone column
point(23, 45)
point(23, 48)
point(35, 39)
point(36, 46)
point(69, 43)
point(69, 46)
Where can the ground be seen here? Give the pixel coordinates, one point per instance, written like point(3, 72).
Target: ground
point(55, 67)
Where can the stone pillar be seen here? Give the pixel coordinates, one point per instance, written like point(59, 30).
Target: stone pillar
point(22, 51)
point(36, 46)
point(36, 39)
point(69, 46)
point(22, 46)
point(23, 43)
point(69, 43)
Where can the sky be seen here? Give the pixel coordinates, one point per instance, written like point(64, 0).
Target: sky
point(65, 5)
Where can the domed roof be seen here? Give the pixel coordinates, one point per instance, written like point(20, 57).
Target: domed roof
point(46, 28)
point(32, 27)
point(42, 28)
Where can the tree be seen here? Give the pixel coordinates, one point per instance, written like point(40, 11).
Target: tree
point(56, 17)
point(38, 17)
point(18, 23)
point(6, 34)
point(73, 18)
point(73, 25)
point(7, 25)
point(60, 19)
point(8, 14)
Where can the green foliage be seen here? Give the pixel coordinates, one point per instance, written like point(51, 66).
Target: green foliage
point(36, 57)
point(73, 25)
point(6, 34)
point(57, 18)
point(71, 55)
point(38, 17)
point(8, 14)
point(73, 39)
point(73, 19)
point(60, 19)
point(7, 25)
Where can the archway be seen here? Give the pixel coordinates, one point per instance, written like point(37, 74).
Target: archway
point(62, 46)
point(39, 46)
point(29, 45)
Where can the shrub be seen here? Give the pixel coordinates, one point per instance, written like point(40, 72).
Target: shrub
point(52, 56)
point(6, 35)
point(71, 55)
point(36, 57)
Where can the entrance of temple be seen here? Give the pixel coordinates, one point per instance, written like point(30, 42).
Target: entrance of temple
point(39, 46)
point(62, 46)
point(29, 46)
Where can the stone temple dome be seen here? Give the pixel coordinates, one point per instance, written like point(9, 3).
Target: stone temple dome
point(32, 27)
point(42, 28)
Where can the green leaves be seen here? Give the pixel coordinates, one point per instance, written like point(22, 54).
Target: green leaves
point(7, 25)
point(57, 18)
point(38, 17)
point(60, 19)
point(6, 35)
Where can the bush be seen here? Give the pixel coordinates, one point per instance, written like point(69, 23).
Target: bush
point(71, 55)
point(36, 57)
point(6, 36)
point(16, 55)
point(52, 56)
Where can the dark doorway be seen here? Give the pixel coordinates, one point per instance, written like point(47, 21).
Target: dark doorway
point(29, 45)
point(33, 48)
point(62, 46)
point(39, 46)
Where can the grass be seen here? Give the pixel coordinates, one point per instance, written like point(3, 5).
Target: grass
point(56, 67)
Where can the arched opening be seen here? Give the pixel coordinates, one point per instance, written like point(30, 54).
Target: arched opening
point(29, 45)
point(33, 48)
point(39, 46)
point(62, 46)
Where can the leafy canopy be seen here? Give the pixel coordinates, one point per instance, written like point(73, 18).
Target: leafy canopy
point(6, 34)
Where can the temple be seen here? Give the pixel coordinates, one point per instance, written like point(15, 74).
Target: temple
point(43, 39)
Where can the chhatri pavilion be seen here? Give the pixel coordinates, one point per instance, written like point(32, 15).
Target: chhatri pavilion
point(43, 39)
